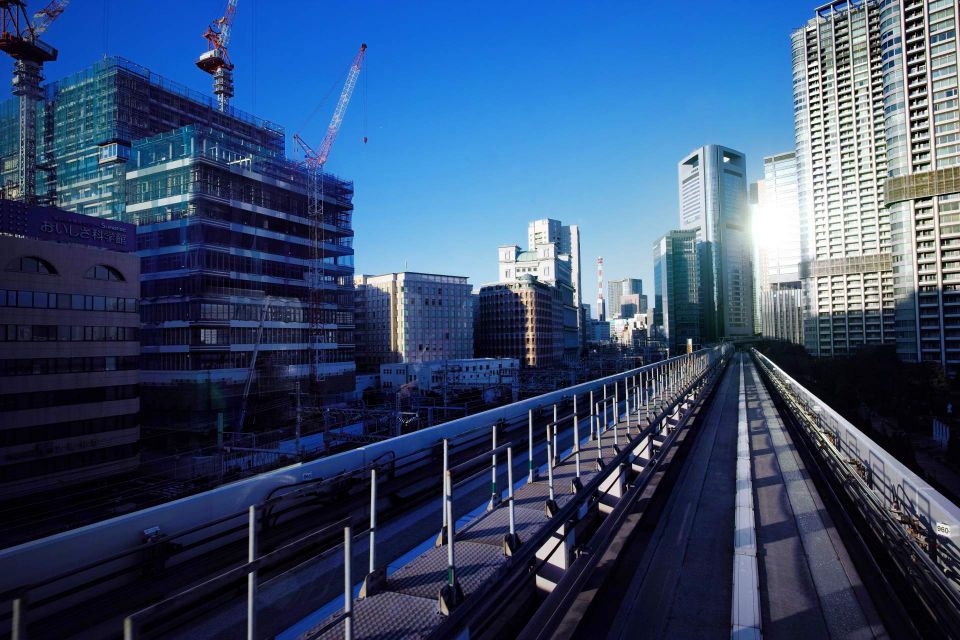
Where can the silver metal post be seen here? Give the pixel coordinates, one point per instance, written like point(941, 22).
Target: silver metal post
point(616, 402)
point(591, 407)
point(373, 519)
point(18, 628)
point(626, 405)
point(576, 435)
point(347, 585)
point(530, 445)
point(444, 532)
point(494, 498)
point(510, 488)
point(252, 576)
point(549, 466)
point(555, 453)
point(451, 558)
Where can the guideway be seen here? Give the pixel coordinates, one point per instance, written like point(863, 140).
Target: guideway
point(738, 544)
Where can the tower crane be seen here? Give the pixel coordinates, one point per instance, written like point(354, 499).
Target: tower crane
point(216, 60)
point(20, 39)
point(314, 162)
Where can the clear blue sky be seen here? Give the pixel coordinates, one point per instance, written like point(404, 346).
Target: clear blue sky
point(484, 115)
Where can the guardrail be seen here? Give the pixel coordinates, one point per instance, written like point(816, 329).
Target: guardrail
point(53, 572)
point(918, 526)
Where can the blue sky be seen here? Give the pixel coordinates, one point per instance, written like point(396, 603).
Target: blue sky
point(484, 115)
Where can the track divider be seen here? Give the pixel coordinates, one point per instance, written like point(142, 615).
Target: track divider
point(745, 609)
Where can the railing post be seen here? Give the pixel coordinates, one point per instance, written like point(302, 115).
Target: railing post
point(576, 441)
point(347, 584)
point(531, 473)
point(616, 402)
point(592, 407)
point(450, 594)
point(252, 576)
point(18, 626)
point(626, 406)
point(551, 506)
point(494, 496)
point(375, 579)
point(555, 454)
point(599, 448)
point(442, 538)
point(511, 541)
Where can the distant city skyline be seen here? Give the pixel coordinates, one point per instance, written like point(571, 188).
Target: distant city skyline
point(509, 135)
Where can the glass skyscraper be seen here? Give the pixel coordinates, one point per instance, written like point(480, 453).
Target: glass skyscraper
point(713, 203)
point(224, 236)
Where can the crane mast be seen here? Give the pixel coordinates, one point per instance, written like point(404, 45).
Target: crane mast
point(216, 60)
point(19, 39)
point(314, 162)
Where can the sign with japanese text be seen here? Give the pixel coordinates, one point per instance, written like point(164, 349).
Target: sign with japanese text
point(58, 225)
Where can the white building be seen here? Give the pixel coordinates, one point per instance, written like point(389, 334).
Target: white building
point(839, 60)
point(553, 257)
point(922, 189)
point(459, 373)
point(412, 317)
point(713, 202)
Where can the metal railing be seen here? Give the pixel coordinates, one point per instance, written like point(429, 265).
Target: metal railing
point(916, 525)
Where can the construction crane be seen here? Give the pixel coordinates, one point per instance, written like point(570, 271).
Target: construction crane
point(20, 39)
point(216, 60)
point(314, 162)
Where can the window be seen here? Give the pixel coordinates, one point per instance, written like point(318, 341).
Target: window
point(103, 272)
point(31, 264)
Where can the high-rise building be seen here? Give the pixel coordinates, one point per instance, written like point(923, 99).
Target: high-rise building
point(617, 289)
point(567, 239)
point(839, 63)
point(632, 304)
point(69, 349)
point(521, 318)
point(776, 234)
point(412, 317)
point(677, 296)
point(922, 190)
point(224, 235)
point(713, 203)
point(551, 266)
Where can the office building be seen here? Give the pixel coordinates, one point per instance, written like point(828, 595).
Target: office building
point(567, 238)
point(412, 317)
point(616, 290)
point(632, 304)
point(776, 233)
point(225, 241)
point(922, 189)
point(233, 289)
point(454, 374)
point(713, 204)
point(521, 319)
point(69, 349)
point(553, 256)
point(676, 280)
point(839, 116)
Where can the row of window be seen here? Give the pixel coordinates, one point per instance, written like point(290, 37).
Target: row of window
point(71, 301)
point(47, 466)
point(64, 397)
point(60, 430)
point(43, 366)
point(66, 333)
point(33, 264)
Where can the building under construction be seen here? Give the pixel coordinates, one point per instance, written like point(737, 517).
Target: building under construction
point(231, 306)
